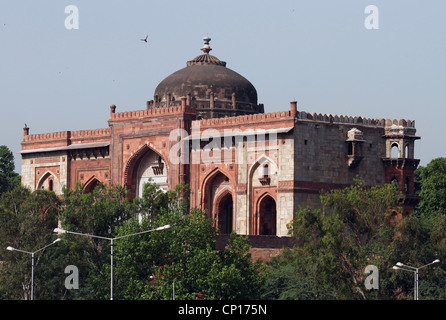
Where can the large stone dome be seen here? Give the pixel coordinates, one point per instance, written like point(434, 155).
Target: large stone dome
point(210, 87)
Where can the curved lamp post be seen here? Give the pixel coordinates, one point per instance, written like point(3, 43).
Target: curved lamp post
point(60, 230)
point(32, 261)
point(401, 266)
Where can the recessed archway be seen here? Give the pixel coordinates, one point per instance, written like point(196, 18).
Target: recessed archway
point(146, 164)
point(265, 218)
point(49, 181)
point(395, 151)
point(224, 213)
point(217, 200)
point(91, 184)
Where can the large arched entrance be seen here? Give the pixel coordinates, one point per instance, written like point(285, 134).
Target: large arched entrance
point(151, 168)
point(144, 166)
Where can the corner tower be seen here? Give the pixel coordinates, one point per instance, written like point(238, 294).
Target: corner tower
point(399, 162)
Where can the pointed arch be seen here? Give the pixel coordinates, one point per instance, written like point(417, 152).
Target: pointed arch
point(264, 220)
point(211, 175)
point(217, 197)
point(262, 160)
point(251, 207)
point(90, 184)
point(131, 169)
point(49, 182)
point(223, 210)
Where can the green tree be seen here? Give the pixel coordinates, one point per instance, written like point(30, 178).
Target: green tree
point(351, 230)
point(184, 255)
point(150, 265)
point(98, 213)
point(27, 220)
point(418, 240)
point(166, 254)
point(8, 177)
point(354, 228)
point(433, 188)
point(286, 278)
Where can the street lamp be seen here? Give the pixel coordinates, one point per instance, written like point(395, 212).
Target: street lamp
point(60, 230)
point(401, 266)
point(32, 261)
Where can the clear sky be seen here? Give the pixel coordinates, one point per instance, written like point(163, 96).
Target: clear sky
point(317, 52)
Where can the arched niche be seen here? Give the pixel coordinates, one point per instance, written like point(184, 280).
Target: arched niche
point(218, 200)
point(265, 217)
point(91, 184)
point(49, 181)
point(146, 164)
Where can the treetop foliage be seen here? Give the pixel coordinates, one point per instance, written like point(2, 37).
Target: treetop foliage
point(353, 228)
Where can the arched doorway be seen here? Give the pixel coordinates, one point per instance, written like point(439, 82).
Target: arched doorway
point(217, 200)
point(267, 216)
point(224, 213)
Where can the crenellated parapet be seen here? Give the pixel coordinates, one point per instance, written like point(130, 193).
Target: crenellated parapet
point(244, 119)
point(63, 139)
point(66, 135)
point(93, 135)
point(61, 135)
point(400, 129)
point(128, 116)
point(390, 126)
point(364, 121)
point(90, 133)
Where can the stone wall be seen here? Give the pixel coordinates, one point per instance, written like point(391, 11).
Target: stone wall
point(307, 154)
point(37, 168)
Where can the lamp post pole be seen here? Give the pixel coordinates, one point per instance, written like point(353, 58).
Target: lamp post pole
point(60, 230)
point(32, 261)
point(401, 266)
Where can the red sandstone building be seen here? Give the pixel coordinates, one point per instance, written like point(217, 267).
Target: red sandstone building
point(249, 169)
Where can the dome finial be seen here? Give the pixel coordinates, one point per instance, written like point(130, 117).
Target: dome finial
point(206, 48)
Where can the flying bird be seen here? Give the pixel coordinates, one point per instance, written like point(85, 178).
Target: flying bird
point(145, 40)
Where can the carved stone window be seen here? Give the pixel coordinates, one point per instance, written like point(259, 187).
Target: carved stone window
point(354, 141)
point(158, 170)
point(265, 180)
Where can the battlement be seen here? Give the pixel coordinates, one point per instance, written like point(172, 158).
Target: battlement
point(149, 112)
point(61, 135)
point(66, 135)
point(341, 119)
point(91, 133)
point(251, 118)
point(308, 116)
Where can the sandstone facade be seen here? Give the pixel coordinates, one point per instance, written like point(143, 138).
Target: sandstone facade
point(251, 171)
